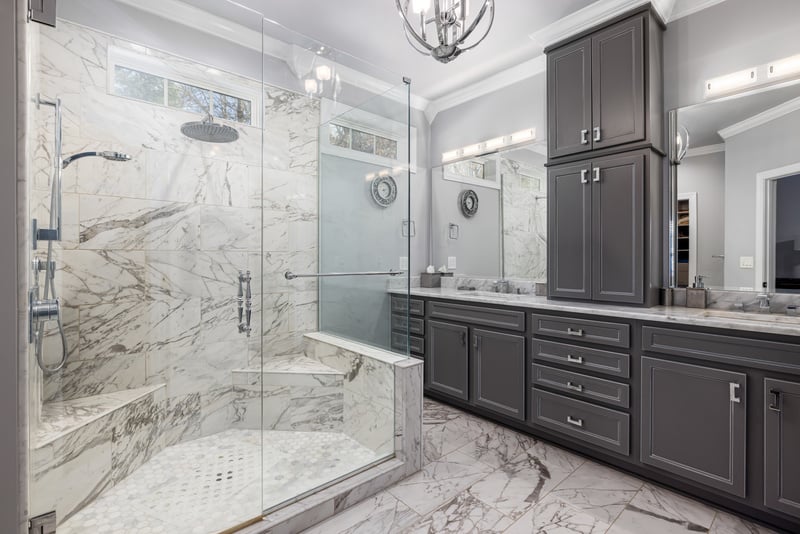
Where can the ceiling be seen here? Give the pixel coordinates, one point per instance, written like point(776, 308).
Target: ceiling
point(372, 30)
point(704, 121)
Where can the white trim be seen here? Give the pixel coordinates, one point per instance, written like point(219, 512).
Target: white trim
point(689, 7)
point(705, 150)
point(591, 16)
point(762, 118)
point(517, 73)
point(764, 217)
point(692, 198)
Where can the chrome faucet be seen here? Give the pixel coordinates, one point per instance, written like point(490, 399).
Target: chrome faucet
point(763, 302)
point(502, 286)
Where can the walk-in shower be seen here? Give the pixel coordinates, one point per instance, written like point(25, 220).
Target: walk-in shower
point(196, 172)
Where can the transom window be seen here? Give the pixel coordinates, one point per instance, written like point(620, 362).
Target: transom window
point(361, 141)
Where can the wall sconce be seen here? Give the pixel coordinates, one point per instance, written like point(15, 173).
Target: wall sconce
point(783, 68)
point(731, 82)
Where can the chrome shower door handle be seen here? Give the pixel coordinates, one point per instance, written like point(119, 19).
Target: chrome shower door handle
point(244, 301)
point(584, 137)
point(596, 133)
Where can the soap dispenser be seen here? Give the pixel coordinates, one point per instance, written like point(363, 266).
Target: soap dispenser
point(697, 295)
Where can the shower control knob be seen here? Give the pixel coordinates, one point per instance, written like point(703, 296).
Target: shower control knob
point(40, 311)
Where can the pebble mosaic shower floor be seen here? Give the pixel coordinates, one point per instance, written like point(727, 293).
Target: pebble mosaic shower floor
point(213, 483)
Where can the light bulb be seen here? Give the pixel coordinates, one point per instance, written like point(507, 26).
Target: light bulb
point(420, 6)
point(323, 73)
point(311, 86)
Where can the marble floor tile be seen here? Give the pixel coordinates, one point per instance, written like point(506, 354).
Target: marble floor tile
point(463, 515)
point(445, 430)
point(521, 483)
point(380, 513)
point(439, 481)
point(552, 515)
point(498, 446)
point(598, 490)
point(655, 509)
point(725, 523)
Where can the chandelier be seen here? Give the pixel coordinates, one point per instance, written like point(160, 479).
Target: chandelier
point(446, 22)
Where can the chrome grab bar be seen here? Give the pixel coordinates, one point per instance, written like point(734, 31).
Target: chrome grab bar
point(289, 275)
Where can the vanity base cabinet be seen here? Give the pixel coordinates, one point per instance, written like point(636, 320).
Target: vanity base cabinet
point(782, 446)
point(498, 372)
point(693, 423)
point(447, 359)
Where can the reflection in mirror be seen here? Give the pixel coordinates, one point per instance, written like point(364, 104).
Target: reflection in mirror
point(738, 225)
point(507, 235)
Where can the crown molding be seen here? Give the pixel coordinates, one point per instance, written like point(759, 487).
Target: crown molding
point(705, 150)
point(502, 79)
point(591, 16)
point(762, 118)
point(684, 8)
point(205, 22)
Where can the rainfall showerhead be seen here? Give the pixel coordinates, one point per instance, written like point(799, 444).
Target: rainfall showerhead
point(111, 156)
point(209, 131)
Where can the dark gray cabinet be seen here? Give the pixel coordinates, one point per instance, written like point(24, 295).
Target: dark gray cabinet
point(617, 228)
point(618, 108)
point(447, 359)
point(596, 228)
point(693, 423)
point(569, 231)
point(782, 446)
point(569, 95)
point(498, 372)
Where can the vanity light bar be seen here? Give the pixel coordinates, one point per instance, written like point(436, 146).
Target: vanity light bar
point(731, 82)
point(491, 145)
point(784, 67)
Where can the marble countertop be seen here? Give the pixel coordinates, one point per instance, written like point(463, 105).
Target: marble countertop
point(713, 318)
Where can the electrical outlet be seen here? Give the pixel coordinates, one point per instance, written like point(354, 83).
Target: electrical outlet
point(451, 262)
point(403, 263)
point(746, 262)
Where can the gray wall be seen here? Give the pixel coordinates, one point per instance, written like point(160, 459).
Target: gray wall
point(731, 36)
point(508, 110)
point(766, 147)
point(705, 175)
point(11, 483)
point(477, 250)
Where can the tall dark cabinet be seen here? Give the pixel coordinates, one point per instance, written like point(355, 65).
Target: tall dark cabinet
point(605, 213)
point(781, 446)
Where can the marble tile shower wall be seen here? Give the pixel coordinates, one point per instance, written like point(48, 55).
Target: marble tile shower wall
point(524, 222)
point(152, 247)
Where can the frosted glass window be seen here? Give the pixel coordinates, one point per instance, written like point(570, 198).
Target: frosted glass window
point(363, 142)
point(386, 148)
point(139, 85)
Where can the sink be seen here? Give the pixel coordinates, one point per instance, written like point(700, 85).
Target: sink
point(753, 316)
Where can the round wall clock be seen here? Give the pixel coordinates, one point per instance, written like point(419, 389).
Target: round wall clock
point(469, 202)
point(384, 190)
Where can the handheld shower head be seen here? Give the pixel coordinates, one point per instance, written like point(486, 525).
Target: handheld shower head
point(111, 156)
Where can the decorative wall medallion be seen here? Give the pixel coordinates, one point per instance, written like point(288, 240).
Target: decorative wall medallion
point(384, 190)
point(469, 202)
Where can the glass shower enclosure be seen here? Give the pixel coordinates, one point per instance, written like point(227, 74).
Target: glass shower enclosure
point(221, 205)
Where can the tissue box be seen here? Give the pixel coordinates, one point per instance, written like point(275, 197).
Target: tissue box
point(430, 280)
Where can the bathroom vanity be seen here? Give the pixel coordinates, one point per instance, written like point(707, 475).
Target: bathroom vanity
point(703, 401)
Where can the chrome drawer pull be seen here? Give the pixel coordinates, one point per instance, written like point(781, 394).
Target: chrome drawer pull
point(584, 135)
point(575, 422)
point(597, 133)
point(575, 387)
point(572, 332)
point(775, 403)
point(734, 390)
point(575, 359)
point(584, 172)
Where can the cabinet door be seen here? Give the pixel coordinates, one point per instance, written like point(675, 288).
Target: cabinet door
point(618, 101)
point(569, 219)
point(447, 359)
point(498, 372)
point(617, 229)
point(782, 446)
point(693, 423)
point(569, 99)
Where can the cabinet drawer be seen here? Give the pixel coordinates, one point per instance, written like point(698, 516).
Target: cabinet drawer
point(478, 315)
point(599, 332)
point(588, 387)
point(413, 344)
point(771, 355)
point(410, 306)
point(593, 424)
point(414, 325)
point(599, 361)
